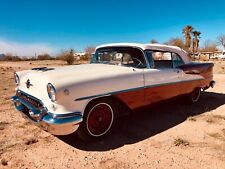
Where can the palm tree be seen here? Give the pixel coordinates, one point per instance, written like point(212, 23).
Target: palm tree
point(195, 43)
point(187, 34)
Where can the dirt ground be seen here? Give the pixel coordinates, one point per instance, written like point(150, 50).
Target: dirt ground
point(177, 135)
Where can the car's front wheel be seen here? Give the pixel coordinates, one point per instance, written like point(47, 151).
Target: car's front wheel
point(98, 119)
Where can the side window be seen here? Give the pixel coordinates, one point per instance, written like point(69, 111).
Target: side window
point(177, 61)
point(162, 60)
point(127, 60)
point(124, 56)
point(132, 57)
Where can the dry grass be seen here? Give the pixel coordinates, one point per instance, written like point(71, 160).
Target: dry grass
point(30, 141)
point(223, 131)
point(192, 118)
point(3, 125)
point(210, 120)
point(214, 118)
point(217, 136)
point(180, 142)
point(220, 117)
point(7, 145)
point(4, 162)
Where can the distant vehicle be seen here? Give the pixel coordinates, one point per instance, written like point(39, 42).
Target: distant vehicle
point(87, 98)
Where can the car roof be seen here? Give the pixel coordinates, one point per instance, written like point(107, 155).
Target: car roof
point(155, 46)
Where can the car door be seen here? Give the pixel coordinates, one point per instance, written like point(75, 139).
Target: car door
point(133, 89)
point(162, 78)
point(128, 86)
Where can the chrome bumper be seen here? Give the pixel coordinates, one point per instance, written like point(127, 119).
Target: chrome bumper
point(56, 124)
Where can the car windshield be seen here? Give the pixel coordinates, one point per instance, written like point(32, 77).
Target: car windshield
point(124, 56)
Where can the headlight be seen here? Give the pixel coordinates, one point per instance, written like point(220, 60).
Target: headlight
point(17, 79)
point(51, 92)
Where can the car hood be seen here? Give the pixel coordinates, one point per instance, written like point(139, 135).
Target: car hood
point(69, 75)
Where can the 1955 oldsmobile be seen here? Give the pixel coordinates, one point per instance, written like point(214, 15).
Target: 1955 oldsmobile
point(88, 98)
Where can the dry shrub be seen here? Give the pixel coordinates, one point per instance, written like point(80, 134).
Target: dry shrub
point(67, 56)
point(31, 141)
point(45, 57)
point(180, 142)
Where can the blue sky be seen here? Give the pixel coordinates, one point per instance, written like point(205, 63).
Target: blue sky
point(52, 25)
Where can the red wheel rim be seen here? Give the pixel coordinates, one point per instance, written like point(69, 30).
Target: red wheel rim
point(99, 119)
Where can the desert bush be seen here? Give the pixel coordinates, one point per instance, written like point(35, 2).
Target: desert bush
point(209, 46)
point(89, 50)
point(86, 57)
point(67, 56)
point(11, 58)
point(180, 142)
point(44, 57)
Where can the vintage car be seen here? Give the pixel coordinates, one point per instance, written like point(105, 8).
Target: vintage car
point(121, 77)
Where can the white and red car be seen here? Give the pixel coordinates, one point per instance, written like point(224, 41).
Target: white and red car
point(87, 98)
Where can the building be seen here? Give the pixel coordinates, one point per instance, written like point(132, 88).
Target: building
point(79, 55)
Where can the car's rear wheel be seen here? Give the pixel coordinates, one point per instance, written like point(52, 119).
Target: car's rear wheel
point(194, 96)
point(99, 117)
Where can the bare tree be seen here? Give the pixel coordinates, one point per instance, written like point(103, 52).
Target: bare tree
point(176, 42)
point(153, 41)
point(89, 50)
point(221, 40)
point(209, 46)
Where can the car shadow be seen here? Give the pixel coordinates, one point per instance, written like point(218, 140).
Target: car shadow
point(148, 122)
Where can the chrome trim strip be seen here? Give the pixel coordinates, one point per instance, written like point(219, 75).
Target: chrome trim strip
point(56, 121)
point(107, 94)
point(171, 83)
point(133, 89)
point(60, 116)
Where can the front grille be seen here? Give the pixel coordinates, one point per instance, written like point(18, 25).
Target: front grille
point(31, 100)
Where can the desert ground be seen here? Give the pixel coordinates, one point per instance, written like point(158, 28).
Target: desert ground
point(178, 135)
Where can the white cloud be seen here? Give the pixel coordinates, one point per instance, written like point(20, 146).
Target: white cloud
point(24, 49)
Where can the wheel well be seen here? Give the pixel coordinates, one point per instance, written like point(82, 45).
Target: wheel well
point(122, 108)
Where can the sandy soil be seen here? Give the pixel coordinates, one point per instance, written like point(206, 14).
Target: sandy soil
point(175, 136)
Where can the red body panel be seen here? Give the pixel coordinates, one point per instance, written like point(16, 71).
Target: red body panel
point(153, 94)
